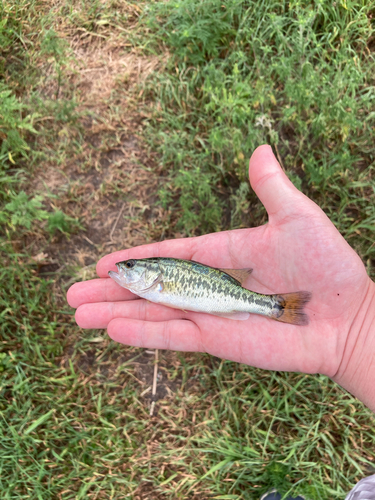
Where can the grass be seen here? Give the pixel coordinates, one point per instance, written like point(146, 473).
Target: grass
point(295, 76)
point(151, 111)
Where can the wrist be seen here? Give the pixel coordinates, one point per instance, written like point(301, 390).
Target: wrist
point(356, 372)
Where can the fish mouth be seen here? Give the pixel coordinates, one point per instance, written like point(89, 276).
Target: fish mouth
point(118, 277)
point(113, 274)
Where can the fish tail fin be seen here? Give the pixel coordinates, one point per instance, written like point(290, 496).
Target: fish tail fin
point(290, 308)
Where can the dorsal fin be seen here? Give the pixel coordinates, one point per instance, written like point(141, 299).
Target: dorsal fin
point(238, 274)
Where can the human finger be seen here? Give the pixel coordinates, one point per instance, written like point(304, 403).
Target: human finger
point(255, 346)
point(272, 186)
point(101, 314)
point(177, 334)
point(97, 290)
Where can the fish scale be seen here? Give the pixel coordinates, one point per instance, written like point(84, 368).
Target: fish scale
point(186, 281)
point(191, 286)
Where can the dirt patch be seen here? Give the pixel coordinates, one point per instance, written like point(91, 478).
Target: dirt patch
point(100, 68)
point(105, 177)
point(110, 183)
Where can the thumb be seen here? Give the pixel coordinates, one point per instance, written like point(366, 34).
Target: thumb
point(272, 186)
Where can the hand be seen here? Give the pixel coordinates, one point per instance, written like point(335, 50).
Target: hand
point(298, 249)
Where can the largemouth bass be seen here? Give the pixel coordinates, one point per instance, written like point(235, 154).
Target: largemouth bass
point(191, 286)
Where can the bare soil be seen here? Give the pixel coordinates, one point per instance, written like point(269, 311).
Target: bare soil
point(109, 181)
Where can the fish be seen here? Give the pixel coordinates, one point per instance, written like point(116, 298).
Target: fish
point(192, 286)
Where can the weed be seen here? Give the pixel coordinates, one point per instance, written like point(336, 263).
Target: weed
point(23, 211)
point(58, 221)
point(242, 74)
point(198, 203)
point(55, 47)
point(13, 127)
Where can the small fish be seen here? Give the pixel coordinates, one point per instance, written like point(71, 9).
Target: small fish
point(191, 286)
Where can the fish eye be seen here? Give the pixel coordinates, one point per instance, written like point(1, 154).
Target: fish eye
point(130, 263)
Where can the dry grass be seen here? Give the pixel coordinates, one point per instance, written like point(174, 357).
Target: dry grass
point(100, 69)
point(108, 180)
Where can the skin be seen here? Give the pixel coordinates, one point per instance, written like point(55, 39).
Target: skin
point(298, 249)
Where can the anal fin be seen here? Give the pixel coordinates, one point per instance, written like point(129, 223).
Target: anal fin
point(238, 316)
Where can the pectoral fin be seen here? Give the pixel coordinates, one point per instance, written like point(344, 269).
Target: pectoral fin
point(157, 281)
point(238, 274)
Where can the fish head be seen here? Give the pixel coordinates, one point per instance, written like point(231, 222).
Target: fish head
point(137, 275)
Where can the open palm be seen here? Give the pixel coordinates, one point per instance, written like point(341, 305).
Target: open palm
point(298, 249)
